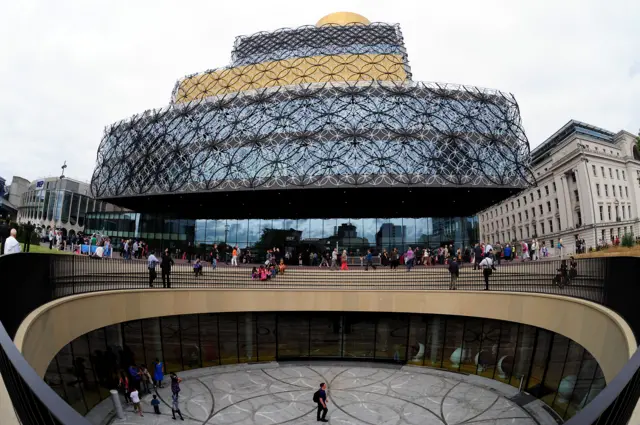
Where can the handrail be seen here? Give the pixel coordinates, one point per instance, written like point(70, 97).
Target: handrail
point(34, 401)
point(616, 402)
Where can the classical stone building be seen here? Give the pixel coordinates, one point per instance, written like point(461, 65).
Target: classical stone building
point(587, 187)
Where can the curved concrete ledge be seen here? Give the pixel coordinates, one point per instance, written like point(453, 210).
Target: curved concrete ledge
point(601, 331)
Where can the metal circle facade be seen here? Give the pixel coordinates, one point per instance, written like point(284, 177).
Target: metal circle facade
point(330, 106)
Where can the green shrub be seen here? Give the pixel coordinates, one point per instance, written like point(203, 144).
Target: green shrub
point(628, 240)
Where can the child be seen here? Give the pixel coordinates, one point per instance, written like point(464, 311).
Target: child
point(263, 273)
point(156, 404)
point(197, 267)
point(254, 274)
point(174, 406)
point(135, 398)
point(281, 267)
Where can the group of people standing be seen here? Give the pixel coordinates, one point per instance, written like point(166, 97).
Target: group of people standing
point(138, 378)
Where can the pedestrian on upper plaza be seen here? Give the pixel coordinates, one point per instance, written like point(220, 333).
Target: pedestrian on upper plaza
point(11, 244)
point(394, 258)
point(477, 252)
point(234, 256)
point(487, 268)
point(134, 249)
point(52, 237)
point(334, 259)
point(320, 397)
point(344, 259)
point(525, 251)
point(408, 259)
point(488, 250)
point(497, 249)
point(152, 262)
point(214, 256)
point(369, 261)
point(165, 265)
point(454, 270)
point(158, 373)
point(174, 406)
point(534, 250)
point(507, 252)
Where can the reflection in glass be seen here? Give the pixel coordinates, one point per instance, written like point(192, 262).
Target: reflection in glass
point(170, 328)
point(326, 335)
point(359, 335)
point(228, 334)
point(559, 371)
point(209, 339)
point(293, 335)
point(190, 341)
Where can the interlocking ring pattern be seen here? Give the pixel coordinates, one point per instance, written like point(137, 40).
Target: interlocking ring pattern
point(332, 106)
point(327, 135)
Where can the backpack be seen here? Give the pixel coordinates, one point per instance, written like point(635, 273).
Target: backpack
point(316, 397)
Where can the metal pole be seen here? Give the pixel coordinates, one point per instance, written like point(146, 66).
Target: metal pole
point(115, 398)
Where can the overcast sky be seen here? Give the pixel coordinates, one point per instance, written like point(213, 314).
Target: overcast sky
point(69, 68)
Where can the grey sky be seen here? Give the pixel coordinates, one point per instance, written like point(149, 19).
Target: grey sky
point(69, 68)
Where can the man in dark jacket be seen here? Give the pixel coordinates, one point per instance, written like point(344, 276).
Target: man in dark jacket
point(165, 265)
point(478, 256)
point(454, 270)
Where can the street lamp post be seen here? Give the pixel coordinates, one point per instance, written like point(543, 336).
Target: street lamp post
point(593, 207)
point(55, 205)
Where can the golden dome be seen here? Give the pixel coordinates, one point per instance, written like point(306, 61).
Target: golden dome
point(342, 18)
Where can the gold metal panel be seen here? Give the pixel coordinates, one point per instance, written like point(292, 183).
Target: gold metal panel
point(313, 69)
point(342, 18)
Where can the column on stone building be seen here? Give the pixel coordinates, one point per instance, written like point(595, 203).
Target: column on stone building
point(560, 183)
point(567, 204)
point(633, 184)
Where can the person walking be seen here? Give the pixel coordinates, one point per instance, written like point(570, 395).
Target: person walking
point(175, 383)
point(408, 259)
point(487, 268)
point(344, 259)
point(11, 244)
point(534, 250)
point(497, 249)
point(369, 261)
point(334, 259)
point(525, 251)
point(123, 384)
point(156, 404)
point(320, 397)
point(214, 256)
point(477, 252)
point(135, 398)
point(174, 406)
point(165, 265)
point(152, 262)
point(394, 258)
point(454, 270)
point(507, 252)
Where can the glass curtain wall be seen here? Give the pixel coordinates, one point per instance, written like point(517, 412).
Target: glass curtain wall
point(302, 236)
point(553, 368)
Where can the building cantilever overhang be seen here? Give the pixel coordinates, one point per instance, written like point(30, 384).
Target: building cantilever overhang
point(330, 107)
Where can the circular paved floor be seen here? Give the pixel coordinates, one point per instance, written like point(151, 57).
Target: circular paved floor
point(272, 394)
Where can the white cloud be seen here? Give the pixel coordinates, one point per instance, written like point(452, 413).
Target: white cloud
point(69, 68)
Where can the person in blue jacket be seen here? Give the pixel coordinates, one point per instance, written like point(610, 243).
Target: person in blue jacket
point(507, 252)
point(158, 372)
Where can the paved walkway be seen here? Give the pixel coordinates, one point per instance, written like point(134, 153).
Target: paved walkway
point(358, 395)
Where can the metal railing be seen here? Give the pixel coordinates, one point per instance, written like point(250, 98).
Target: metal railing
point(38, 278)
point(34, 402)
point(80, 274)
